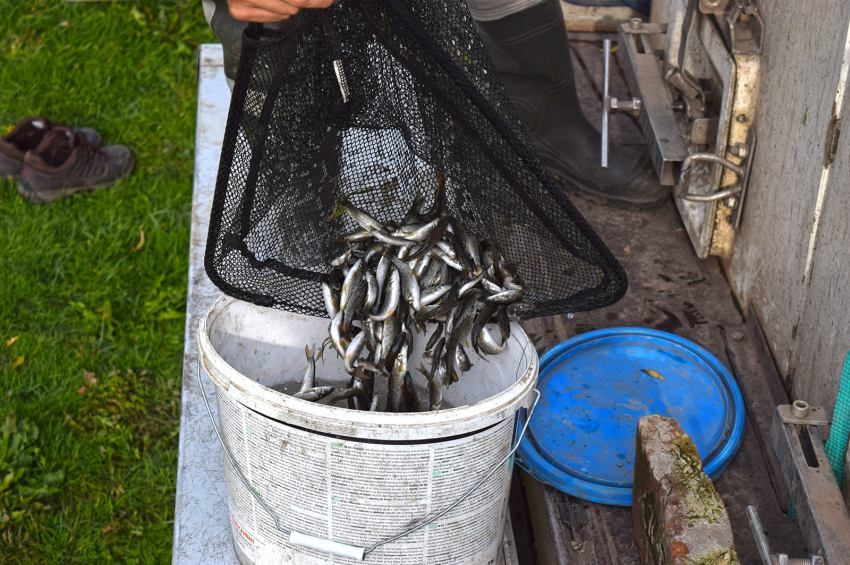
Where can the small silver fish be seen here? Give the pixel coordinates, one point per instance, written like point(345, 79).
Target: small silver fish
point(435, 388)
point(309, 380)
point(396, 380)
point(392, 295)
point(331, 300)
point(352, 279)
point(352, 352)
point(409, 286)
point(372, 290)
point(382, 271)
point(433, 294)
point(448, 260)
point(505, 297)
point(340, 342)
point(417, 232)
point(392, 240)
point(366, 221)
point(421, 264)
point(491, 287)
point(314, 394)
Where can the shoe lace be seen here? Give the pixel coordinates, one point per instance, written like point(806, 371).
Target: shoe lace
point(88, 159)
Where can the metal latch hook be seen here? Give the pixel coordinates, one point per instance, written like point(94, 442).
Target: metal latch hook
point(681, 191)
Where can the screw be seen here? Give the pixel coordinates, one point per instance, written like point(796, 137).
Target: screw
point(635, 23)
point(741, 118)
point(731, 202)
point(741, 150)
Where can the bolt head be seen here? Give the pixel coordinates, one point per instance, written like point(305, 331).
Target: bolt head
point(635, 23)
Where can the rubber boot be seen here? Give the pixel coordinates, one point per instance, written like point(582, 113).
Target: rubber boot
point(532, 57)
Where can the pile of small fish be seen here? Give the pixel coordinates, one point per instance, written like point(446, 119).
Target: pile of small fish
point(425, 274)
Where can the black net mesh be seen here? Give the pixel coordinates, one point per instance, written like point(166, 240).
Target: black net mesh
point(424, 100)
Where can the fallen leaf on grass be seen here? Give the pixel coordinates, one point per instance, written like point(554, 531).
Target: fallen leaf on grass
point(18, 361)
point(82, 390)
point(12, 340)
point(141, 243)
point(89, 378)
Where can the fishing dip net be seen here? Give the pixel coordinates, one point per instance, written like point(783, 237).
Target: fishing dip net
point(377, 104)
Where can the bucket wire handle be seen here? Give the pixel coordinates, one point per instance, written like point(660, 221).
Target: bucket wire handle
point(341, 549)
point(230, 456)
point(472, 489)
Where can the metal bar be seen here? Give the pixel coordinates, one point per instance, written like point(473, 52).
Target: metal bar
point(606, 80)
point(758, 534)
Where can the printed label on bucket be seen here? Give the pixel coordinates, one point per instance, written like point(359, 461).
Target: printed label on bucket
point(360, 493)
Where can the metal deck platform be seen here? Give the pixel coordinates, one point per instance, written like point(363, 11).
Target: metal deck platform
point(669, 289)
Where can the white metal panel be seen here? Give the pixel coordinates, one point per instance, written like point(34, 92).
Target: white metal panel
point(201, 528)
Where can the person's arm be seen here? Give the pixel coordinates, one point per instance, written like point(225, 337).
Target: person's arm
point(264, 11)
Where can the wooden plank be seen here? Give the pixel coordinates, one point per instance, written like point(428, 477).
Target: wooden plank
point(803, 50)
point(823, 331)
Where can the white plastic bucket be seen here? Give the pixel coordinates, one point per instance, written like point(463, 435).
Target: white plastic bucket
point(332, 485)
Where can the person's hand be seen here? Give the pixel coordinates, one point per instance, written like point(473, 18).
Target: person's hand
point(265, 11)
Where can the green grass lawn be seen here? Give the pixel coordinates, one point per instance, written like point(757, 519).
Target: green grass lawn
point(92, 288)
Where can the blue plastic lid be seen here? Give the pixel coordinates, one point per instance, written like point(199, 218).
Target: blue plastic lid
point(594, 389)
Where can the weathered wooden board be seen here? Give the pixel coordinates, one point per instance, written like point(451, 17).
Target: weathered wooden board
point(823, 329)
point(803, 50)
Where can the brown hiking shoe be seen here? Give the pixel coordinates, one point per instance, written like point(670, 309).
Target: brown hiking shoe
point(65, 163)
point(26, 136)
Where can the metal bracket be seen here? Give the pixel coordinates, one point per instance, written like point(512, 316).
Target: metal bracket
point(610, 104)
point(812, 487)
point(801, 413)
point(715, 7)
point(667, 146)
point(746, 28)
point(745, 182)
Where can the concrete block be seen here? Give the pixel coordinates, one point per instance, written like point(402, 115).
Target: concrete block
point(679, 518)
